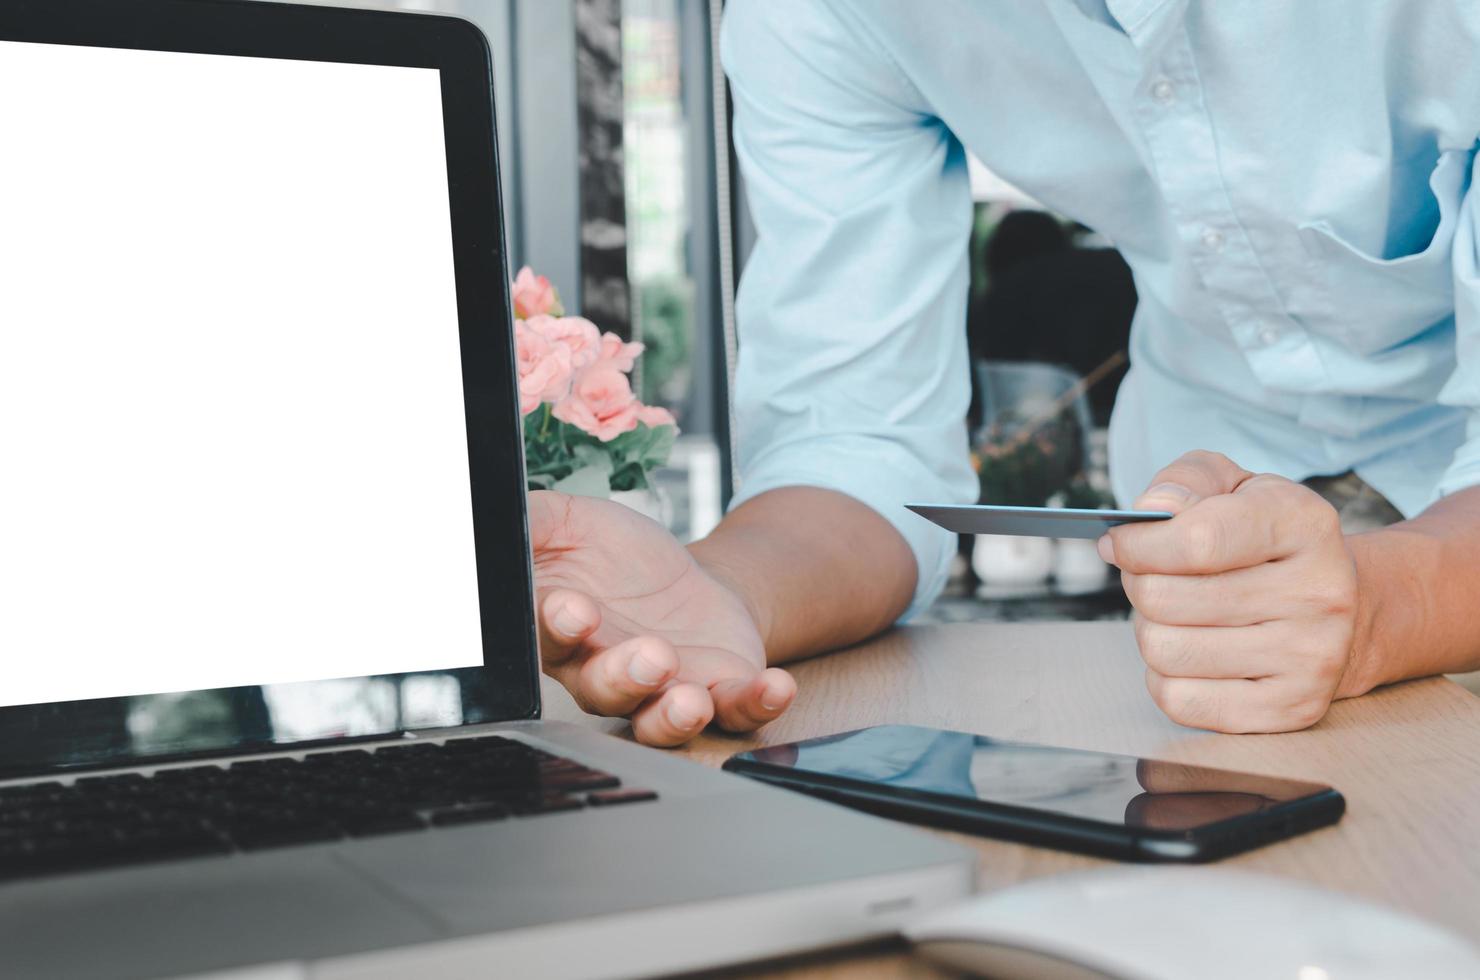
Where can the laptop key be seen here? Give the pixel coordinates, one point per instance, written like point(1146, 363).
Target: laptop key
point(269, 835)
point(29, 791)
point(179, 848)
point(265, 766)
point(190, 774)
point(118, 783)
point(618, 796)
point(175, 842)
point(403, 751)
point(369, 825)
point(32, 858)
point(470, 814)
point(348, 757)
point(549, 804)
point(578, 782)
point(494, 793)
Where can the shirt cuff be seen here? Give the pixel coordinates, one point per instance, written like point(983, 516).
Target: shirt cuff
point(1464, 470)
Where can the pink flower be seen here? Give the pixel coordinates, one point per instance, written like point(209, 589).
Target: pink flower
point(533, 295)
point(576, 333)
point(653, 416)
point(600, 403)
point(618, 353)
point(544, 368)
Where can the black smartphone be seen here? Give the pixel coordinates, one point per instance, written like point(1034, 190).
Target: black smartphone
point(1115, 806)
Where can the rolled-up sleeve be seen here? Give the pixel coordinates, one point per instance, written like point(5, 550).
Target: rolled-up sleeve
point(1463, 387)
point(852, 371)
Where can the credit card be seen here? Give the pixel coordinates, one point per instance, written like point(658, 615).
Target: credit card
point(1032, 522)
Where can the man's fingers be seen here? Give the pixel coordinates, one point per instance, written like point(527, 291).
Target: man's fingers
point(1191, 478)
point(616, 681)
point(1266, 519)
point(673, 717)
point(1296, 588)
point(1215, 651)
point(1238, 706)
point(1216, 705)
point(567, 618)
point(1209, 600)
point(744, 704)
point(1213, 535)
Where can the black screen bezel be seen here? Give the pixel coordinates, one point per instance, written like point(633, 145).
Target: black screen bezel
point(59, 736)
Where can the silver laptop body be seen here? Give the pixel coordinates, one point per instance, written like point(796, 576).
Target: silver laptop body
point(262, 500)
point(717, 870)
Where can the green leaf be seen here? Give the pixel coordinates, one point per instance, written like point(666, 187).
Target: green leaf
point(631, 445)
point(562, 457)
point(651, 446)
point(574, 435)
point(636, 454)
point(659, 446)
point(630, 476)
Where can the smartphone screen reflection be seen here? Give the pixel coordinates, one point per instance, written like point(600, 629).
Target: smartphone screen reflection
point(1138, 793)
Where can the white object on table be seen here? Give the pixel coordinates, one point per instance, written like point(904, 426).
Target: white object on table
point(1078, 567)
point(1000, 559)
point(1169, 923)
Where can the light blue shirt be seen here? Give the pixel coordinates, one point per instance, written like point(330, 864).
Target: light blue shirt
point(1287, 180)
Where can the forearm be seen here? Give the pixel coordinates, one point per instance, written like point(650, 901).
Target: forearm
point(817, 568)
point(1419, 596)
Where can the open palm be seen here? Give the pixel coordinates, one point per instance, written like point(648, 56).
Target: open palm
point(632, 625)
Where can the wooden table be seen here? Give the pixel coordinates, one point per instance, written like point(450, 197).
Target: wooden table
point(1406, 757)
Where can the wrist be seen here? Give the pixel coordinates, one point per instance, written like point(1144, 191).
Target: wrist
point(1364, 662)
point(714, 564)
point(1396, 570)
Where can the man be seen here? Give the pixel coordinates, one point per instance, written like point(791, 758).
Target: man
point(1289, 182)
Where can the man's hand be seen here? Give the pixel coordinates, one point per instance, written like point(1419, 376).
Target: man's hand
point(633, 625)
point(1246, 600)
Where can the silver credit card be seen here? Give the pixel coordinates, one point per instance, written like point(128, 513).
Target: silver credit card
point(1033, 522)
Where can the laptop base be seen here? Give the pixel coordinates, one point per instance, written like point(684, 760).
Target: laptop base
point(717, 870)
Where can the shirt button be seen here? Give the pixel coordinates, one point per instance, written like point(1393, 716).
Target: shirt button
point(1212, 240)
point(1163, 91)
point(1269, 336)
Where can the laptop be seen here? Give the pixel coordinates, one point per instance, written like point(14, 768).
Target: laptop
point(268, 676)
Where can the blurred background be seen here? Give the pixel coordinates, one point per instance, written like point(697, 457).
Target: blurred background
point(620, 185)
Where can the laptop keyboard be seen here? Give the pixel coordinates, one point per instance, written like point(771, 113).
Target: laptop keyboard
point(100, 821)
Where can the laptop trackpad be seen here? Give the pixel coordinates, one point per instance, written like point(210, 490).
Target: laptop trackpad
point(201, 915)
point(568, 866)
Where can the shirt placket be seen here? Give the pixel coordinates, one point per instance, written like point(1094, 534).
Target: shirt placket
point(1172, 113)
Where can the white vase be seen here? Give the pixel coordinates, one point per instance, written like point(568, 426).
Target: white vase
point(1005, 559)
point(651, 503)
point(1078, 567)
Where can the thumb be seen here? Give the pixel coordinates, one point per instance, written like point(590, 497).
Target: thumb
point(1191, 478)
point(567, 619)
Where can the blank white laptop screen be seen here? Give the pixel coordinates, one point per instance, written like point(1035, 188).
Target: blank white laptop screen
point(232, 441)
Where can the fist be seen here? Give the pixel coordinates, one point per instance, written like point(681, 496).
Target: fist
point(1246, 600)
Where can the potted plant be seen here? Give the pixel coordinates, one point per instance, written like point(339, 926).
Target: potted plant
point(585, 430)
point(1030, 451)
